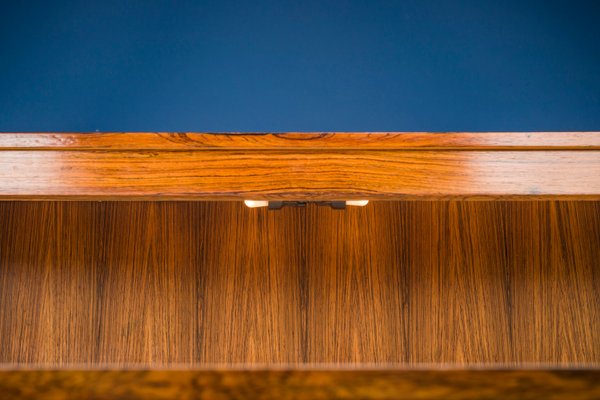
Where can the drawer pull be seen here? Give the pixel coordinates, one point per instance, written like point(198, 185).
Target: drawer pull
point(276, 205)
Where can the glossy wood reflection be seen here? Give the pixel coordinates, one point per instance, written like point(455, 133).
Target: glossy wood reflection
point(200, 284)
point(300, 175)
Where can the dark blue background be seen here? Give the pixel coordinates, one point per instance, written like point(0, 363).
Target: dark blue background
point(299, 65)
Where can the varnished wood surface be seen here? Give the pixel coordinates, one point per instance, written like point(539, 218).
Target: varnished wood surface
point(309, 385)
point(300, 166)
point(208, 284)
point(305, 140)
point(318, 175)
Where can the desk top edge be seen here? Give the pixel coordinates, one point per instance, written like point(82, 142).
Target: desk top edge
point(191, 141)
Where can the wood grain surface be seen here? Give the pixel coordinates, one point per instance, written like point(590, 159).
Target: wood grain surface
point(319, 175)
point(309, 385)
point(215, 284)
point(300, 166)
point(306, 140)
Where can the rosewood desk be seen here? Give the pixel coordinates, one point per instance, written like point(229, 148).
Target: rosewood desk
point(131, 268)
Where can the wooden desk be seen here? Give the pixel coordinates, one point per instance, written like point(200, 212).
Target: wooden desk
point(129, 266)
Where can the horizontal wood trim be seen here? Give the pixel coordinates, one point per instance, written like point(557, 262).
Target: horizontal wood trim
point(301, 140)
point(231, 175)
point(314, 385)
point(300, 166)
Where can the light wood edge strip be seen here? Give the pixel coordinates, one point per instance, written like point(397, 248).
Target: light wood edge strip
point(301, 140)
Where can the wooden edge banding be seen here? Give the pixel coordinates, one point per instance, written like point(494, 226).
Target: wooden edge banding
point(383, 384)
point(300, 140)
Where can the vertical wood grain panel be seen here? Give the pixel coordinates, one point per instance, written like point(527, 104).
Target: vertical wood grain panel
point(357, 301)
point(162, 284)
point(250, 285)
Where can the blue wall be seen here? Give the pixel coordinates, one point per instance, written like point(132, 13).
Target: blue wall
point(299, 65)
